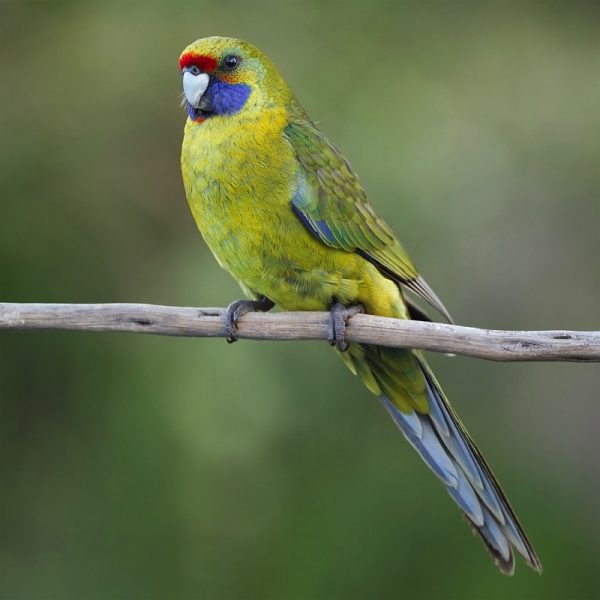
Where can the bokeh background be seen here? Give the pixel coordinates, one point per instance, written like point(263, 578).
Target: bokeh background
point(140, 467)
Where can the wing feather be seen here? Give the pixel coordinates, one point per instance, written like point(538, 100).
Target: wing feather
point(331, 203)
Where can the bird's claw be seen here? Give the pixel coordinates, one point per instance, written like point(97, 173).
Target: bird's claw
point(337, 325)
point(237, 309)
point(232, 315)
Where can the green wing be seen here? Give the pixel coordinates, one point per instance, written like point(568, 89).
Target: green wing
point(333, 206)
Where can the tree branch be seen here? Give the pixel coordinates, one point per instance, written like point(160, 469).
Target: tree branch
point(208, 322)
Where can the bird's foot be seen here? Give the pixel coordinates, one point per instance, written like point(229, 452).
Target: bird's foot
point(340, 314)
point(237, 309)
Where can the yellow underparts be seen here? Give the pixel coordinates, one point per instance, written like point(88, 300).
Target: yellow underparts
point(239, 174)
point(241, 207)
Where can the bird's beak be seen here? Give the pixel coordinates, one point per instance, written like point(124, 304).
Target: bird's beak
point(194, 87)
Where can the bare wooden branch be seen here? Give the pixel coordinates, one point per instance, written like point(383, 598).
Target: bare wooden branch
point(208, 322)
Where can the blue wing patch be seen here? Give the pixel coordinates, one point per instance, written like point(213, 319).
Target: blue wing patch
point(302, 200)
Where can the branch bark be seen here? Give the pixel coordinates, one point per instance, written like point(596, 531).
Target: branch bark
point(208, 322)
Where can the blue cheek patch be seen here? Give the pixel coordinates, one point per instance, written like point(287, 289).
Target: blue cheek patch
point(192, 113)
point(228, 98)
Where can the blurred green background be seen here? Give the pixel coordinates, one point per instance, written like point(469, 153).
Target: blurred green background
point(140, 467)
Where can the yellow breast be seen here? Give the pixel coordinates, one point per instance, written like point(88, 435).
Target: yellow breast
point(239, 173)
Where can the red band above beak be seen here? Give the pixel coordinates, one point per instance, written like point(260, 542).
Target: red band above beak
point(203, 62)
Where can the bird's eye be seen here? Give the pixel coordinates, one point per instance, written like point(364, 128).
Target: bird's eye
point(194, 70)
point(231, 62)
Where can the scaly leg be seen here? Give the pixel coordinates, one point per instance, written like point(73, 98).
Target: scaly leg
point(237, 309)
point(337, 326)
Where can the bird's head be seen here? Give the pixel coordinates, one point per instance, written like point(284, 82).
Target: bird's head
point(223, 76)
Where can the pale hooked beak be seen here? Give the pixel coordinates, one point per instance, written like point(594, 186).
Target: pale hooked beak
point(194, 87)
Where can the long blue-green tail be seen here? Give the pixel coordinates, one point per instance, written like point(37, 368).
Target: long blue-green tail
point(412, 396)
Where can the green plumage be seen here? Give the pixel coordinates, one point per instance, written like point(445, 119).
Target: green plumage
point(285, 214)
point(329, 191)
point(334, 204)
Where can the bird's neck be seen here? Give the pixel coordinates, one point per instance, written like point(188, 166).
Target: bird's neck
point(248, 127)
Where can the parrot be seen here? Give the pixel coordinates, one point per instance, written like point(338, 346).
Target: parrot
point(284, 213)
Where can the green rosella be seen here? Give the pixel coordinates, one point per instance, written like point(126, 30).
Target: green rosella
point(284, 213)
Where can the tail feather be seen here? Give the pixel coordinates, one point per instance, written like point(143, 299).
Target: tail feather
point(458, 445)
point(493, 496)
point(505, 561)
point(446, 447)
point(422, 437)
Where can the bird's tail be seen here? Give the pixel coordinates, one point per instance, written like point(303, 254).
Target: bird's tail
point(409, 391)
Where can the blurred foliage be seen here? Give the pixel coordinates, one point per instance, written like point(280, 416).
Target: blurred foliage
point(139, 467)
